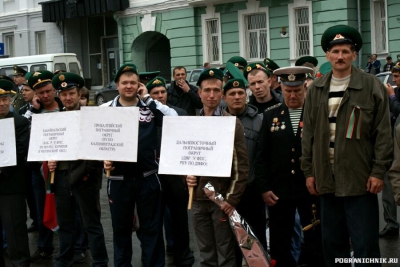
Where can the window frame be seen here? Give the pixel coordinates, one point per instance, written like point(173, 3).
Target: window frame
point(38, 42)
point(210, 15)
point(373, 30)
point(292, 30)
point(6, 37)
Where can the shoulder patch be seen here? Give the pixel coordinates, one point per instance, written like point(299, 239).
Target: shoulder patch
point(272, 107)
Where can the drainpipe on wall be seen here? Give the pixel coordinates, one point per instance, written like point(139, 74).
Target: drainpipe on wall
point(359, 30)
point(120, 44)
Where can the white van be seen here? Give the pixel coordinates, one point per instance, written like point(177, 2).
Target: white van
point(51, 62)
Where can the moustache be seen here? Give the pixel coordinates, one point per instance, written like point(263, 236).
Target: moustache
point(340, 61)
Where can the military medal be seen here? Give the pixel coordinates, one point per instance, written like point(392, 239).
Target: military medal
point(283, 127)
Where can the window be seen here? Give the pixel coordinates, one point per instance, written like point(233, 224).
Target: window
point(254, 34)
point(74, 68)
point(60, 66)
point(40, 40)
point(378, 26)
point(300, 29)
point(38, 67)
point(211, 29)
point(9, 46)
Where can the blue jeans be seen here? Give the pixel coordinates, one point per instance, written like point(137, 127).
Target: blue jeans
point(146, 194)
point(345, 218)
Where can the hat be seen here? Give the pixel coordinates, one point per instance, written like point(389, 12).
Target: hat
point(67, 80)
point(256, 66)
point(19, 71)
point(293, 76)
point(125, 68)
point(6, 88)
point(27, 76)
point(147, 76)
point(341, 34)
point(237, 61)
point(234, 83)
point(210, 74)
point(232, 72)
point(5, 77)
point(270, 64)
point(324, 69)
point(40, 78)
point(300, 61)
point(58, 71)
point(156, 82)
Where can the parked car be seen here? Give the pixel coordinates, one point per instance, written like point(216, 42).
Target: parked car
point(107, 93)
point(193, 76)
point(386, 77)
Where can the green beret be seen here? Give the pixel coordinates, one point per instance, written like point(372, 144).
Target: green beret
point(397, 66)
point(239, 62)
point(233, 72)
point(293, 76)
point(19, 71)
point(40, 78)
point(156, 82)
point(234, 83)
point(210, 74)
point(27, 76)
point(147, 76)
point(256, 66)
point(324, 69)
point(5, 77)
point(6, 88)
point(300, 61)
point(67, 80)
point(126, 68)
point(270, 64)
point(341, 34)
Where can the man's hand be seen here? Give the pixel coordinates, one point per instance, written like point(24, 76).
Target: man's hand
point(142, 90)
point(227, 208)
point(36, 102)
point(108, 165)
point(310, 183)
point(191, 180)
point(374, 185)
point(183, 85)
point(52, 164)
point(269, 198)
point(389, 89)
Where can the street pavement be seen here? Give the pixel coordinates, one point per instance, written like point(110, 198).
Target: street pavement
point(390, 248)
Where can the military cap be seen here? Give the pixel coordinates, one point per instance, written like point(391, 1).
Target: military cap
point(234, 83)
point(129, 67)
point(210, 74)
point(397, 66)
point(148, 76)
point(293, 76)
point(239, 62)
point(270, 64)
point(67, 80)
point(27, 76)
point(300, 61)
point(40, 78)
point(156, 82)
point(256, 66)
point(341, 34)
point(19, 71)
point(324, 69)
point(6, 88)
point(5, 77)
point(232, 72)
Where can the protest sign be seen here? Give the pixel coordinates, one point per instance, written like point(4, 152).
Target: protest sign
point(201, 146)
point(8, 153)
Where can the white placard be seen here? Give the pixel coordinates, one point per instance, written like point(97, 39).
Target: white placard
point(54, 136)
point(109, 133)
point(8, 153)
point(200, 146)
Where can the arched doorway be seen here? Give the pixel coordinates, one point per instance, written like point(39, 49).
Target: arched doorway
point(150, 52)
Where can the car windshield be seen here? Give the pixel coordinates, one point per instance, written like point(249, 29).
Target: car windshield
point(195, 75)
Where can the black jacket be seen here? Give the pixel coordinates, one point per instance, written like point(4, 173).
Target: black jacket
point(12, 179)
point(277, 165)
point(189, 101)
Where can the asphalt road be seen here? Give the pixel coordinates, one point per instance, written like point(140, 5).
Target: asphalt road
point(390, 248)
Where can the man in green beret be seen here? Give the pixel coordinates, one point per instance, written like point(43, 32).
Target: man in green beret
point(251, 206)
point(213, 232)
point(239, 62)
point(73, 182)
point(278, 175)
point(13, 185)
point(146, 77)
point(19, 80)
point(271, 66)
point(347, 148)
point(137, 183)
point(181, 94)
point(259, 80)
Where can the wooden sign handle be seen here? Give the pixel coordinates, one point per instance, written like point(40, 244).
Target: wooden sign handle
point(52, 177)
point(190, 197)
point(108, 173)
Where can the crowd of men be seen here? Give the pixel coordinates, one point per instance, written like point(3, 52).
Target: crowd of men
point(314, 151)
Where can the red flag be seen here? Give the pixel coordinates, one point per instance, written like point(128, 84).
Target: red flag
point(49, 216)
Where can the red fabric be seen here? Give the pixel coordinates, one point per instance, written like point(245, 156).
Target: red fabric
point(49, 216)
